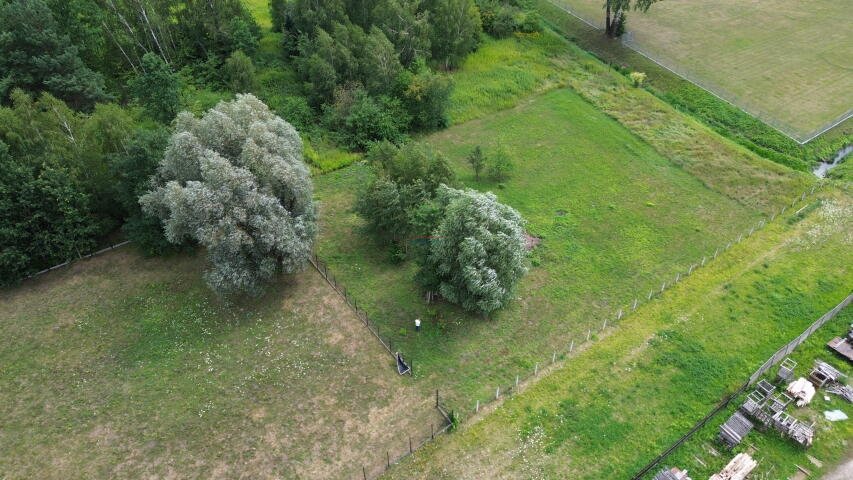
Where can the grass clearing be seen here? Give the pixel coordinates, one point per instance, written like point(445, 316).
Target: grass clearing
point(615, 406)
point(615, 219)
point(124, 367)
point(736, 49)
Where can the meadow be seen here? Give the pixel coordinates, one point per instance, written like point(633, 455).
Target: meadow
point(613, 407)
point(781, 62)
point(127, 367)
point(614, 217)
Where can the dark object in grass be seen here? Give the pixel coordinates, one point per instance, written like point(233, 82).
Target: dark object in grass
point(402, 367)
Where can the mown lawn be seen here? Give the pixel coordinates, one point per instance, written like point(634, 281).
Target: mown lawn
point(790, 71)
point(615, 218)
point(616, 405)
point(125, 367)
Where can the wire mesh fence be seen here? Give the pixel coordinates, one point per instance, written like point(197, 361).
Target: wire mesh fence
point(774, 359)
point(512, 385)
point(81, 257)
point(750, 104)
point(407, 443)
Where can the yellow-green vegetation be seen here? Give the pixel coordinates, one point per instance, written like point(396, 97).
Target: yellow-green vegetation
point(778, 456)
point(616, 405)
point(126, 367)
point(781, 61)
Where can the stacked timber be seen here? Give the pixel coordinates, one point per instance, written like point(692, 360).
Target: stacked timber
point(737, 469)
point(735, 429)
point(672, 474)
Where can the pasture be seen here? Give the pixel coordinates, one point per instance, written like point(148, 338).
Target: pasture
point(783, 61)
point(614, 216)
point(613, 407)
point(125, 367)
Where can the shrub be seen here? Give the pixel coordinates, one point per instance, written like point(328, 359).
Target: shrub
point(637, 78)
point(500, 166)
point(360, 119)
point(238, 72)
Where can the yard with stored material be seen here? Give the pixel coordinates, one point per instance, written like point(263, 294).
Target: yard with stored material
point(780, 60)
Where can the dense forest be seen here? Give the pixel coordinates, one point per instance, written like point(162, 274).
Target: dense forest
point(89, 90)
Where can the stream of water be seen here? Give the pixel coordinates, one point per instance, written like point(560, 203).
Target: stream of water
point(825, 167)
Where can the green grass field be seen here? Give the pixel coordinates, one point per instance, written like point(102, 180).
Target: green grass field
point(615, 220)
point(777, 59)
point(774, 453)
point(125, 367)
point(615, 406)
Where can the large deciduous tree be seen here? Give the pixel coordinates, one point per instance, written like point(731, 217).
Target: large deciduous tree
point(156, 88)
point(476, 255)
point(36, 57)
point(234, 182)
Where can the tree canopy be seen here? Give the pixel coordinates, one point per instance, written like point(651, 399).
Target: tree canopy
point(476, 254)
point(234, 182)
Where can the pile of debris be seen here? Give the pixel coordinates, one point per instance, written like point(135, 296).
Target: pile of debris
point(737, 469)
point(673, 473)
point(844, 391)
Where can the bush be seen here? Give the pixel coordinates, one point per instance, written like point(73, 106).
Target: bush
point(238, 73)
point(360, 119)
point(637, 78)
point(427, 98)
point(500, 166)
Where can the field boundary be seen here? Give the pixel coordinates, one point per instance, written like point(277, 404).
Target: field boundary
point(323, 268)
point(628, 42)
point(81, 257)
point(592, 336)
point(758, 373)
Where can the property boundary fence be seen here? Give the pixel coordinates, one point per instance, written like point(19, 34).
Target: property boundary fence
point(81, 257)
point(746, 105)
point(415, 442)
point(505, 389)
point(757, 374)
point(362, 315)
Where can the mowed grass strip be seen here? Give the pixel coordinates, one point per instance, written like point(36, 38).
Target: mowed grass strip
point(618, 404)
point(781, 60)
point(125, 367)
point(615, 218)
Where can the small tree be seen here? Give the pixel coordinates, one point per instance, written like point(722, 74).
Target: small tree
point(477, 253)
point(477, 161)
point(156, 88)
point(239, 72)
point(500, 166)
point(614, 20)
point(234, 182)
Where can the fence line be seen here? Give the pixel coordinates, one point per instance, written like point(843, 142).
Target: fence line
point(739, 102)
point(419, 440)
point(503, 390)
point(323, 268)
point(777, 357)
point(81, 257)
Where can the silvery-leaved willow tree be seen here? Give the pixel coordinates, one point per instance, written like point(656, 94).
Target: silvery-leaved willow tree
point(234, 182)
point(477, 252)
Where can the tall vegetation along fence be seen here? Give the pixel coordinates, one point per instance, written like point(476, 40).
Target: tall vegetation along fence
point(592, 335)
point(81, 257)
point(409, 443)
point(757, 374)
point(362, 315)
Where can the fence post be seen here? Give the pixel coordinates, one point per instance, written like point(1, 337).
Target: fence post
point(516, 381)
point(662, 287)
point(677, 277)
point(650, 294)
point(604, 326)
point(536, 369)
point(716, 250)
point(387, 459)
point(411, 450)
point(572, 345)
point(364, 472)
point(497, 393)
point(477, 408)
point(432, 431)
point(588, 334)
point(635, 304)
point(553, 357)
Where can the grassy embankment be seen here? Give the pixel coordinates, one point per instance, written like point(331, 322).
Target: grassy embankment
point(616, 205)
point(724, 118)
point(611, 409)
point(125, 367)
